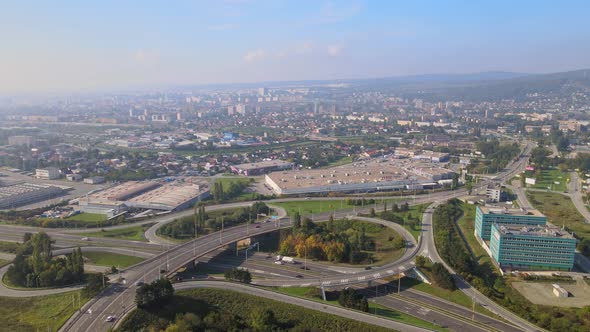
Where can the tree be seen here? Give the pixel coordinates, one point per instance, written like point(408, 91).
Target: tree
point(296, 219)
point(469, 187)
point(372, 213)
point(262, 319)
point(442, 277)
point(349, 298)
point(421, 261)
point(154, 294)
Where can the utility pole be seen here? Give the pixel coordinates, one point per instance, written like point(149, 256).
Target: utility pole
point(220, 233)
point(305, 259)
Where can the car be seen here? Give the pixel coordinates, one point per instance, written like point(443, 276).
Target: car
point(139, 283)
point(299, 276)
point(279, 262)
point(111, 319)
point(257, 226)
point(85, 239)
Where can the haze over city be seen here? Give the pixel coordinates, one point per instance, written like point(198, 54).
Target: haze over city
point(82, 46)
point(258, 165)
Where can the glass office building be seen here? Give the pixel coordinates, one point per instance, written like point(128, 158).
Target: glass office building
point(517, 247)
point(485, 217)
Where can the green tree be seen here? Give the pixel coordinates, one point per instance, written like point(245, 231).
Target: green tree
point(262, 320)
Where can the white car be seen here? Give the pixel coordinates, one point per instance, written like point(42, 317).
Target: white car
point(111, 319)
point(85, 239)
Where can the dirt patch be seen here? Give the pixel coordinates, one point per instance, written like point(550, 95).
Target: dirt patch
point(542, 293)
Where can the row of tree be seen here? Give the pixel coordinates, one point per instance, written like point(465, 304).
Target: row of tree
point(202, 222)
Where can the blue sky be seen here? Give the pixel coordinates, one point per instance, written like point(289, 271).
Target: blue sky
point(82, 45)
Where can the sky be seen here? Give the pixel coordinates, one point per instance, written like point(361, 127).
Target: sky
point(77, 46)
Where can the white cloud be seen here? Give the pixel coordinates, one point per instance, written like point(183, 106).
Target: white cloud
point(254, 55)
point(334, 50)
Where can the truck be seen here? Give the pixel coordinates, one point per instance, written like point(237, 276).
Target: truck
point(289, 260)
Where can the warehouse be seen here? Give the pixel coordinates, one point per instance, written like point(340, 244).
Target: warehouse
point(262, 167)
point(172, 196)
point(369, 176)
point(27, 193)
point(157, 195)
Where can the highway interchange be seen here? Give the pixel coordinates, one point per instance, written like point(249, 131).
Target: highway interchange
point(161, 254)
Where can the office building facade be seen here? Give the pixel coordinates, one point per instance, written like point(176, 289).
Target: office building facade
point(485, 217)
point(518, 247)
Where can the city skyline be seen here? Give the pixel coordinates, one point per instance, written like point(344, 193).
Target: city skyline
point(84, 47)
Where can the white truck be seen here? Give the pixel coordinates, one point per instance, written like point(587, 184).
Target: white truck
point(289, 260)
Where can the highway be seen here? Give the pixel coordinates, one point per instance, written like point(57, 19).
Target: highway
point(116, 299)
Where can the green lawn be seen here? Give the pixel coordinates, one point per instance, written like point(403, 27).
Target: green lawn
point(310, 206)
point(227, 180)
point(41, 313)
point(374, 308)
point(415, 211)
point(9, 247)
point(340, 162)
point(135, 233)
point(548, 180)
point(456, 296)
point(560, 211)
point(3, 262)
point(88, 217)
point(110, 259)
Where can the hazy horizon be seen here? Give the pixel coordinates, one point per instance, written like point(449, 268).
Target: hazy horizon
point(67, 46)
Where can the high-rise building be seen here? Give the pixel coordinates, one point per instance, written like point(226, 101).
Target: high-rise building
point(532, 247)
point(262, 91)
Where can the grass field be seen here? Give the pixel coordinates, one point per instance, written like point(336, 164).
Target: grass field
point(88, 217)
point(549, 179)
point(308, 207)
point(227, 180)
point(415, 211)
point(374, 308)
point(110, 259)
point(9, 247)
point(456, 296)
point(41, 313)
point(135, 233)
point(560, 211)
point(3, 262)
point(230, 303)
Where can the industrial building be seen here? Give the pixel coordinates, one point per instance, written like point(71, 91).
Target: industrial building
point(21, 140)
point(262, 167)
point(486, 216)
point(157, 195)
point(363, 176)
point(545, 247)
point(27, 193)
point(49, 173)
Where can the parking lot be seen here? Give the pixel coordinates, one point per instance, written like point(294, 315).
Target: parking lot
point(542, 293)
point(77, 188)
